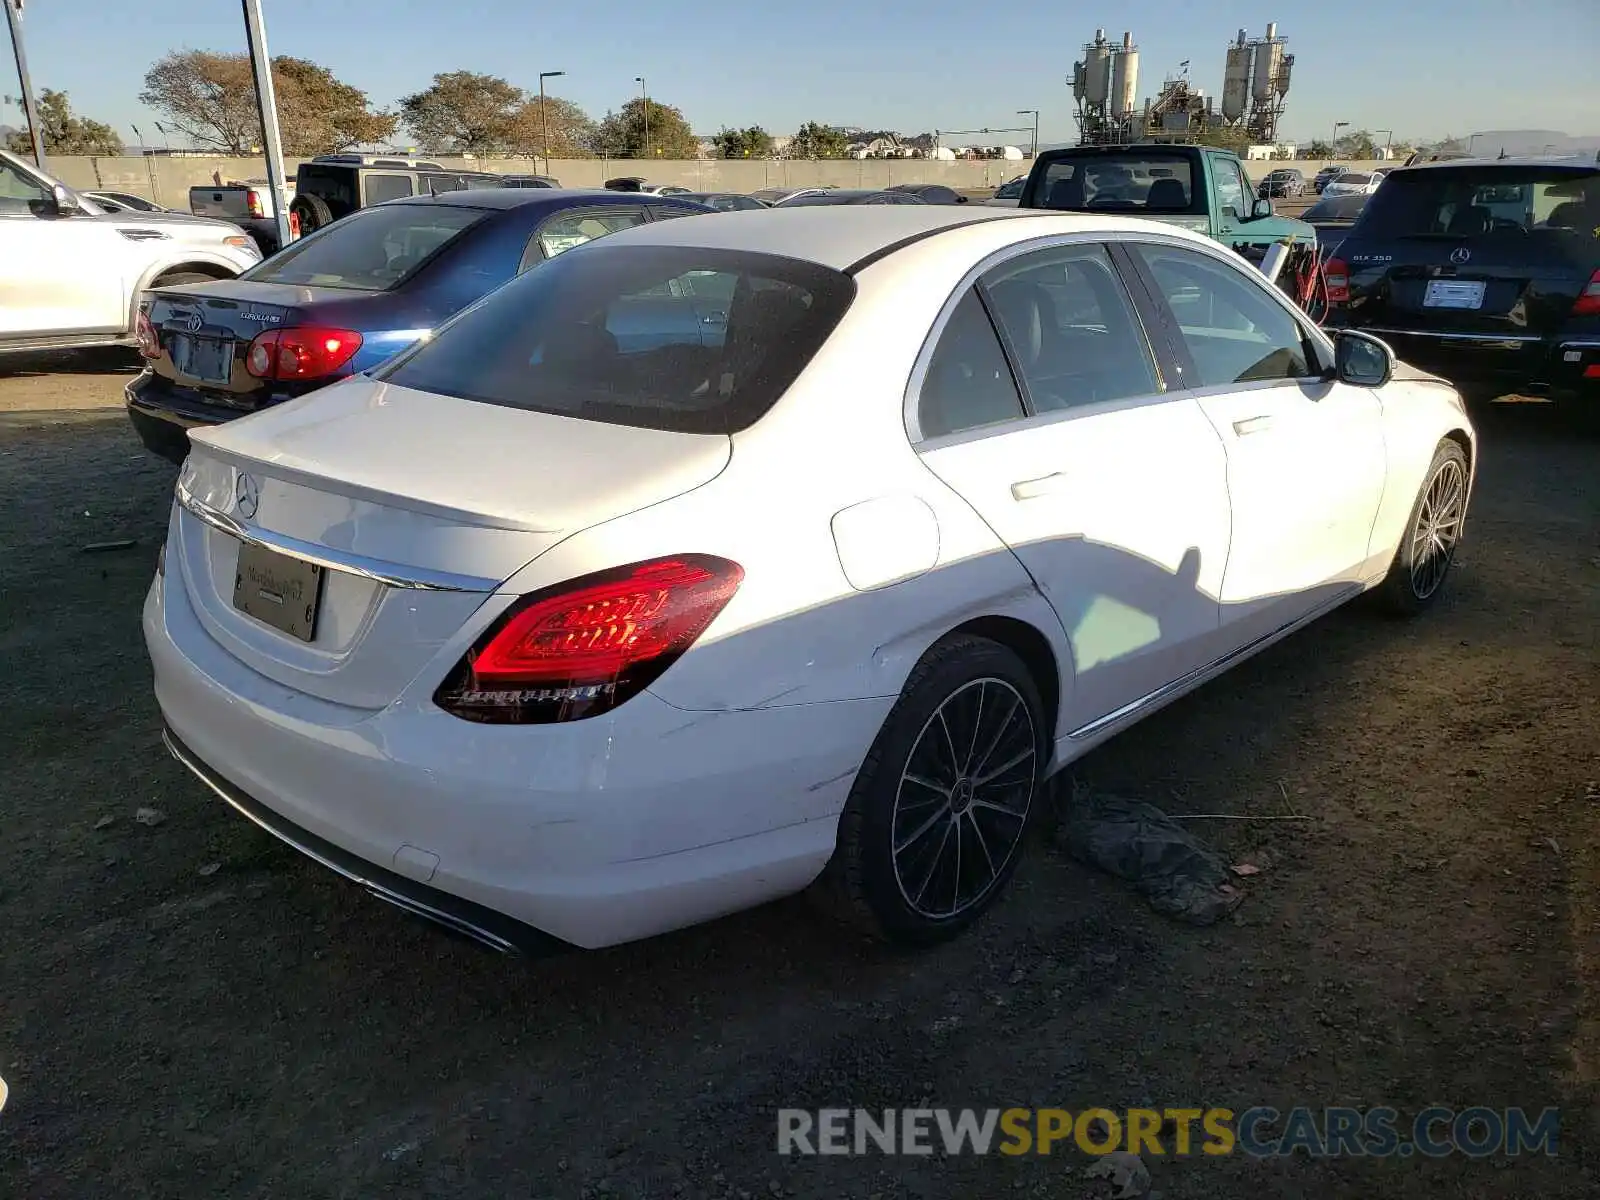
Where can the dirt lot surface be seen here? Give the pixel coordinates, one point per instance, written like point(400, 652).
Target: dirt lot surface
point(188, 1009)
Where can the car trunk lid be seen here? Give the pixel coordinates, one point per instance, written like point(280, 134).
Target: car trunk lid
point(204, 333)
point(415, 507)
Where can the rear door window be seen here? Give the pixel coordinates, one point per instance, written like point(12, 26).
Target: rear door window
point(370, 250)
point(968, 384)
point(574, 227)
point(661, 337)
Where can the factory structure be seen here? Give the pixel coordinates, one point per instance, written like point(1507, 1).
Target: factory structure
point(1105, 85)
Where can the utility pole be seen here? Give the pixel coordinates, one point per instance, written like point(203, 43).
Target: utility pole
point(255, 29)
point(644, 96)
point(1023, 112)
point(14, 18)
point(544, 115)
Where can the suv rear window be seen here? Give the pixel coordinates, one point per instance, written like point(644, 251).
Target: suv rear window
point(1112, 182)
point(678, 338)
point(370, 250)
point(1485, 201)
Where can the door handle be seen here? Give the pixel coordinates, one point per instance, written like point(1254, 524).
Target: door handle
point(1252, 425)
point(1028, 489)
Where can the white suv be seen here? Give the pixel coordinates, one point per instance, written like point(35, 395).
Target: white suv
point(71, 272)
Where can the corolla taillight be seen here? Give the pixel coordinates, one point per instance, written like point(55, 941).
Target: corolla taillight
point(308, 352)
point(144, 333)
point(585, 646)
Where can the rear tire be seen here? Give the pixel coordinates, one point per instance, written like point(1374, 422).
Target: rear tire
point(937, 818)
point(1432, 534)
point(313, 212)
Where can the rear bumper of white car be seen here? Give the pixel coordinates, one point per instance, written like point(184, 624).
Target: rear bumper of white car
point(593, 832)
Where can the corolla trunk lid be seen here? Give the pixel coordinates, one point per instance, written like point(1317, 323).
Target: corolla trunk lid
point(413, 507)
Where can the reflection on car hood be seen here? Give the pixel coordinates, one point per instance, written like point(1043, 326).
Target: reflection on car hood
point(174, 225)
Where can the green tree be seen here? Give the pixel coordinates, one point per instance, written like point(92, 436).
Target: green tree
point(1316, 149)
point(65, 133)
point(1225, 137)
point(1357, 145)
point(211, 100)
point(629, 134)
point(465, 112)
point(571, 130)
point(754, 142)
point(814, 140)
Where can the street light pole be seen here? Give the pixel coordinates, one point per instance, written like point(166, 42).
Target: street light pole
point(1033, 151)
point(544, 115)
point(255, 29)
point(14, 19)
point(644, 96)
point(1333, 147)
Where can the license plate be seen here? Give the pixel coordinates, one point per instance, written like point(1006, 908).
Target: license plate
point(278, 590)
point(206, 359)
point(1453, 293)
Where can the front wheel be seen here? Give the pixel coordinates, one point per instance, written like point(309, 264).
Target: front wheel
point(934, 825)
point(1428, 546)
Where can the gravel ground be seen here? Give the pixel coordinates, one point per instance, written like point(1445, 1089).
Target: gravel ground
point(188, 1009)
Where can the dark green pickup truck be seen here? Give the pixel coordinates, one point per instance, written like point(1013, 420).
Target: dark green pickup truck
point(1197, 187)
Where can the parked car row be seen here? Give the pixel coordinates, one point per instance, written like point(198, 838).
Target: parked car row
point(551, 629)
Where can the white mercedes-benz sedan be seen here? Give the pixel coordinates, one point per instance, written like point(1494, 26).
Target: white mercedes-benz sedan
point(730, 556)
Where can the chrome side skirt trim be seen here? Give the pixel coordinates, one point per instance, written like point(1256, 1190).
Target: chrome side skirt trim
point(1485, 338)
point(448, 920)
point(390, 574)
point(1167, 690)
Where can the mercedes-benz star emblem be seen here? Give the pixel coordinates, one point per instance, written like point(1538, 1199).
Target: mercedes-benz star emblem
point(1460, 254)
point(194, 322)
point(247, 495)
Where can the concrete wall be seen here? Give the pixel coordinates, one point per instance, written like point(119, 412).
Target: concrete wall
point(168, 180)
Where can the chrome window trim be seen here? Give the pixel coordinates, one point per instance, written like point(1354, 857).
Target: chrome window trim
point(1104, 237)
point(1487, 338)
point(378, 570)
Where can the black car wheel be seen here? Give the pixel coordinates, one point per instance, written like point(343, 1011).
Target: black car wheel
point(935, 823)
point(313, 213)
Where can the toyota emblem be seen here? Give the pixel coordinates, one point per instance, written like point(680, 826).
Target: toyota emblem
point(247, 495)
point(194, 322)
point(1460, 255)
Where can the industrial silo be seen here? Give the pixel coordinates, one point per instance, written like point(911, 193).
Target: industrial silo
point(1125, 78)
point(1097, 69)
point(1269, 58)
point(1236, 80)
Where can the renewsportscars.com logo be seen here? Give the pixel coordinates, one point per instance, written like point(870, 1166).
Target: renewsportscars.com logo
point(1260, 1132)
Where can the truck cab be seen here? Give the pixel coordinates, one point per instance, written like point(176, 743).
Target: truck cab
point(1197, 187)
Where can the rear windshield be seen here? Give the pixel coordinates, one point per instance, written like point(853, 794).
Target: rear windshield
point(1353, 177)
point(1479, 202)
point(661, 337)
point(370, 250)
point(1148, 182)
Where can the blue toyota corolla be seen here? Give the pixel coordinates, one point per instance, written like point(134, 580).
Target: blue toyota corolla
point(349, 296)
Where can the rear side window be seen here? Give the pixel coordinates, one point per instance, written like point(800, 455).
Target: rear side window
point(659, 337)
point(387, 187)
point(566, 231)
point(370, 250)
point(1550, 205)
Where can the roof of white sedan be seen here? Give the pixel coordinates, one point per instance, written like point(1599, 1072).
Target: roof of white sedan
point(841, 237)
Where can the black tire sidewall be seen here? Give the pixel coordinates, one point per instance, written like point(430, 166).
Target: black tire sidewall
point(1398, 587)
point(313, 212)
point(942, 672)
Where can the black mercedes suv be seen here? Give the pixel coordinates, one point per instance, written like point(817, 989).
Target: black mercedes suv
point(1484, 271)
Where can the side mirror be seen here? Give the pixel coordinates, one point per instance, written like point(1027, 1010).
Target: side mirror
point(66, 203)
point(1261, 208)
point(1362, 360)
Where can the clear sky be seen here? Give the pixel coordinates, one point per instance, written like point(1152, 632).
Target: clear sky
point(1422, 67)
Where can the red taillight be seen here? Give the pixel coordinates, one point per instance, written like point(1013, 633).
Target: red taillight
point(256, 210)
point(1336, 274)
point(309, 352)
point(584, 647)
point(145, 335)
point(1588, 304)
